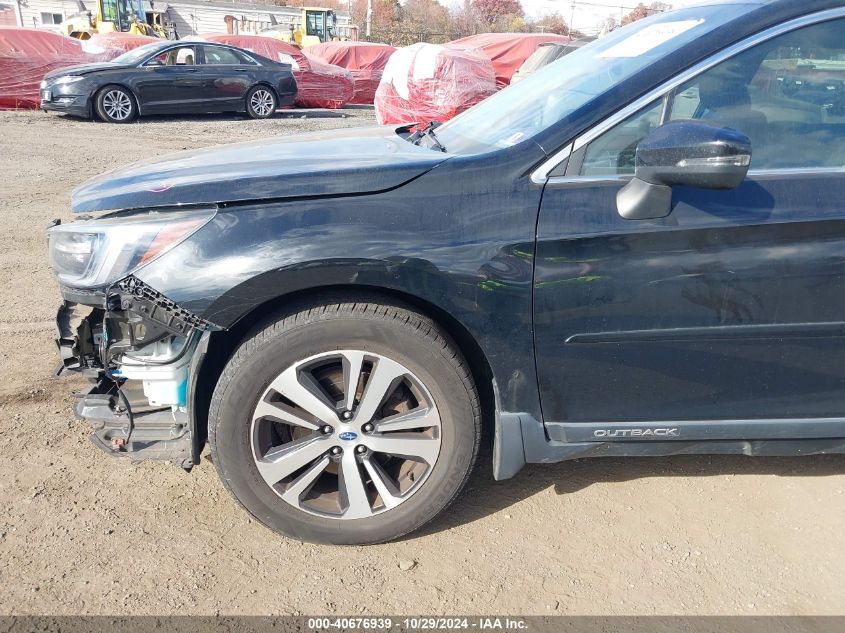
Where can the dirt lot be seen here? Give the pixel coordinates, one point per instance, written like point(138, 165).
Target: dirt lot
point(81, 533)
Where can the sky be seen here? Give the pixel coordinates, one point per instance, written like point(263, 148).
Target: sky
point(588, 15)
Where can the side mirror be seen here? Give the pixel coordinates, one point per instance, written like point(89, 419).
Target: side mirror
point(689, 153)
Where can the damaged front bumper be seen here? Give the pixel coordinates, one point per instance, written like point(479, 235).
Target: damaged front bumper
point(140, 352)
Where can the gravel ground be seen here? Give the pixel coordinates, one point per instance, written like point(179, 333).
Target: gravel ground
point(81, 533)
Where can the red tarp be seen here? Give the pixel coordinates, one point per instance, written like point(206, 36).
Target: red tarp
point(26, 55)
point(107, 46)
point(365, 60)
point(320, 85)
point(428, 82)
point(507, 51)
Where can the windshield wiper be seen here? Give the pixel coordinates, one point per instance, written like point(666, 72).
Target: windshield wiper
point(428, 132)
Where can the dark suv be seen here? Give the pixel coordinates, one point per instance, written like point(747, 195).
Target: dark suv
point(638, 250)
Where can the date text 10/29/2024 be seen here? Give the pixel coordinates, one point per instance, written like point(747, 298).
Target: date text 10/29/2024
point(417, 624)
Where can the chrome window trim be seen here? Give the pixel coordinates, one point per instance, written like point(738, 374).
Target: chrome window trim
point(540, 175)
point(617, 178)
point(754, 173)
point(796, 171)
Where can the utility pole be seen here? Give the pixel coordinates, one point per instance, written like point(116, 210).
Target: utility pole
point(369, 18)
point(571, 20)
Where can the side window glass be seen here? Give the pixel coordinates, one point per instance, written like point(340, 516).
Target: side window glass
point(185, 57)
point(174, 57)
point(220, 56)
point(685, 103)
point(787, 95)
point(613, 152)
point(245, 59)
point(158, 60)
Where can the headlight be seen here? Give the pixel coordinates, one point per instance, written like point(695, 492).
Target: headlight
point(95, 253)
point(68, 79)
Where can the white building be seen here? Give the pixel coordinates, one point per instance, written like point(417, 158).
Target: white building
point(189, 17)
point(195, 17)
point(46, 14)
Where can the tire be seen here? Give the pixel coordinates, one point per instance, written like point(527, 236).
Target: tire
point(261, 102)
point(116, 104)
point(317, 345)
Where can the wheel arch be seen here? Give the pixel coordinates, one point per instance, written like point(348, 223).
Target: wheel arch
point(219, 346)
point(265, 84)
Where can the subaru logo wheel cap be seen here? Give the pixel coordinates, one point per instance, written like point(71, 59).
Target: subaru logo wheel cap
point(348, 436)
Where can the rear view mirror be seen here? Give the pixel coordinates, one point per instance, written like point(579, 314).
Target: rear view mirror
point(689, 153)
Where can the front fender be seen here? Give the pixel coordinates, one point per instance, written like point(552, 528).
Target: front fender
point(454, 242)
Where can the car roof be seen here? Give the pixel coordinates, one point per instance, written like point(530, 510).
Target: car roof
point(189, 42)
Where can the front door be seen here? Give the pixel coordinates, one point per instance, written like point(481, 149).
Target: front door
point(725, 319)
point(171, 82)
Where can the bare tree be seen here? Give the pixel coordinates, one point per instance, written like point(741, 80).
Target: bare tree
point(497, 14)
point(553, 23)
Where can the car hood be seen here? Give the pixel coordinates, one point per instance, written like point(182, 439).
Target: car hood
point(82, 69)
point(331, 163)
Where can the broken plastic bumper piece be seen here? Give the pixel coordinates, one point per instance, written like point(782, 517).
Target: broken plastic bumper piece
point(136, 347)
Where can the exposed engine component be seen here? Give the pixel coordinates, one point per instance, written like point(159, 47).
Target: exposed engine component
point(137, 350)
point(162, 368)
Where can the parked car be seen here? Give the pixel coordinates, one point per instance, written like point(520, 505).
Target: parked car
point(635, 251)
point(546, 53)
point(171, 78)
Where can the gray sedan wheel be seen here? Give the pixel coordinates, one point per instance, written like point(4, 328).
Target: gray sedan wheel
point(116, 104)
point(260, 102)
point(351, 423)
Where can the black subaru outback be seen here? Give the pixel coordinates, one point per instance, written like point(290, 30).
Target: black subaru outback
point(637, 250)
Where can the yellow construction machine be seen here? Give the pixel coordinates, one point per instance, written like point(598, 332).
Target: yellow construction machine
point(125, 16)
point(315, 25)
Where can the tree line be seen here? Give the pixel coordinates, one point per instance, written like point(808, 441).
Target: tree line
point(403, 23)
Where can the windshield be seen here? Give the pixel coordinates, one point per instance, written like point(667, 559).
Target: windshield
point(122, 13)
point(137, 54)
point(314, 24)
point(548, 96)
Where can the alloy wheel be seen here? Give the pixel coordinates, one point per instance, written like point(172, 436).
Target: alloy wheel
point(262, 102)
point(346, 434)
point(117, 105)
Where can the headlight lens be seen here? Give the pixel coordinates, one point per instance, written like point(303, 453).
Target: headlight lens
point(71, 252)
point(68, 79)
point(95, 253)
